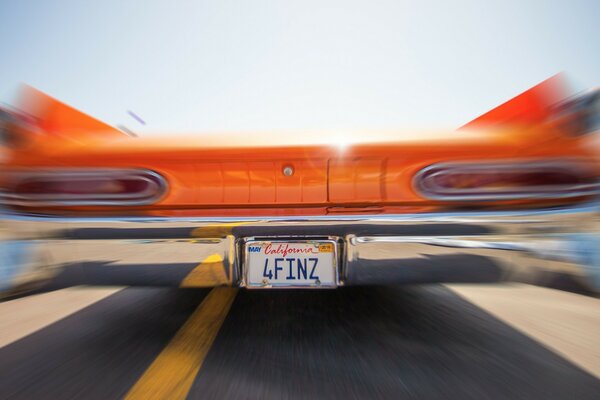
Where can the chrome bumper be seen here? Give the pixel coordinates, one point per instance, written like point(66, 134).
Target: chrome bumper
point(526, 246)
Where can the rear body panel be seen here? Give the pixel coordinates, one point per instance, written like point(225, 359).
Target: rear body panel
point(209, 172)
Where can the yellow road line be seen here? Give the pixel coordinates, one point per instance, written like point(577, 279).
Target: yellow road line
point(172, 373)
point(216, 230)
point(210, 272)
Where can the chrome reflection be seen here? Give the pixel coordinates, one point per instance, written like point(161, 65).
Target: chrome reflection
point(394, 249)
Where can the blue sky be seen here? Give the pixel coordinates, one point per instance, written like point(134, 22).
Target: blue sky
point(266, 65)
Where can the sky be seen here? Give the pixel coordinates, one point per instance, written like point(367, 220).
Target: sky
point(216, 66)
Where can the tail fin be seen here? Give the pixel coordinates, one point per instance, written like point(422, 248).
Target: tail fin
point(57, 119)
point(530, 107)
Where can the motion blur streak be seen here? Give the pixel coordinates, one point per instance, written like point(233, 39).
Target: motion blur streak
point(173, 372)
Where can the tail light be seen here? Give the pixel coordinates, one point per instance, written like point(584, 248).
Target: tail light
point(503, 181)
point(93, 187)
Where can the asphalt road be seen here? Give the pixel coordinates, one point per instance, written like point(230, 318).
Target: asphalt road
point(424, 342)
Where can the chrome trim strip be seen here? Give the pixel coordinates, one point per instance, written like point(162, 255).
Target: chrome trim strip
point(518, 216)
point(471, 242)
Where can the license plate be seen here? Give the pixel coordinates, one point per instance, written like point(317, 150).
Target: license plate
point(291, 263)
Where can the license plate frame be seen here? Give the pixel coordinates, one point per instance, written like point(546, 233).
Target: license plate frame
point(331, 269)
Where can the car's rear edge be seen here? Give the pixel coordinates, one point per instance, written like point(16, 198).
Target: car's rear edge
point(481, 208)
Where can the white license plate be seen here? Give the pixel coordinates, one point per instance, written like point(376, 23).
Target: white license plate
point(291, 263)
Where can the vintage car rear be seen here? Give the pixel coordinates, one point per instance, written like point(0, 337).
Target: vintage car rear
point(510, 196)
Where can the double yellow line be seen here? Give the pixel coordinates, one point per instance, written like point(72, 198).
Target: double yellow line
point(172, 373)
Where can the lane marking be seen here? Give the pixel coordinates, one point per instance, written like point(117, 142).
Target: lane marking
point(26, 315)
point(217, 230)
point(172, 373)
point(210, 272)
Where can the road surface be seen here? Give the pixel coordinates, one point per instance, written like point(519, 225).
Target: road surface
point(504, 341)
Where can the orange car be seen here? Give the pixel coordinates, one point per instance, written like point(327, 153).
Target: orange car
point(510, 196)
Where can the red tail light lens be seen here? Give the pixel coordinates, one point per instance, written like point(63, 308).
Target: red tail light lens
point(87, 187)
point(461, 181)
